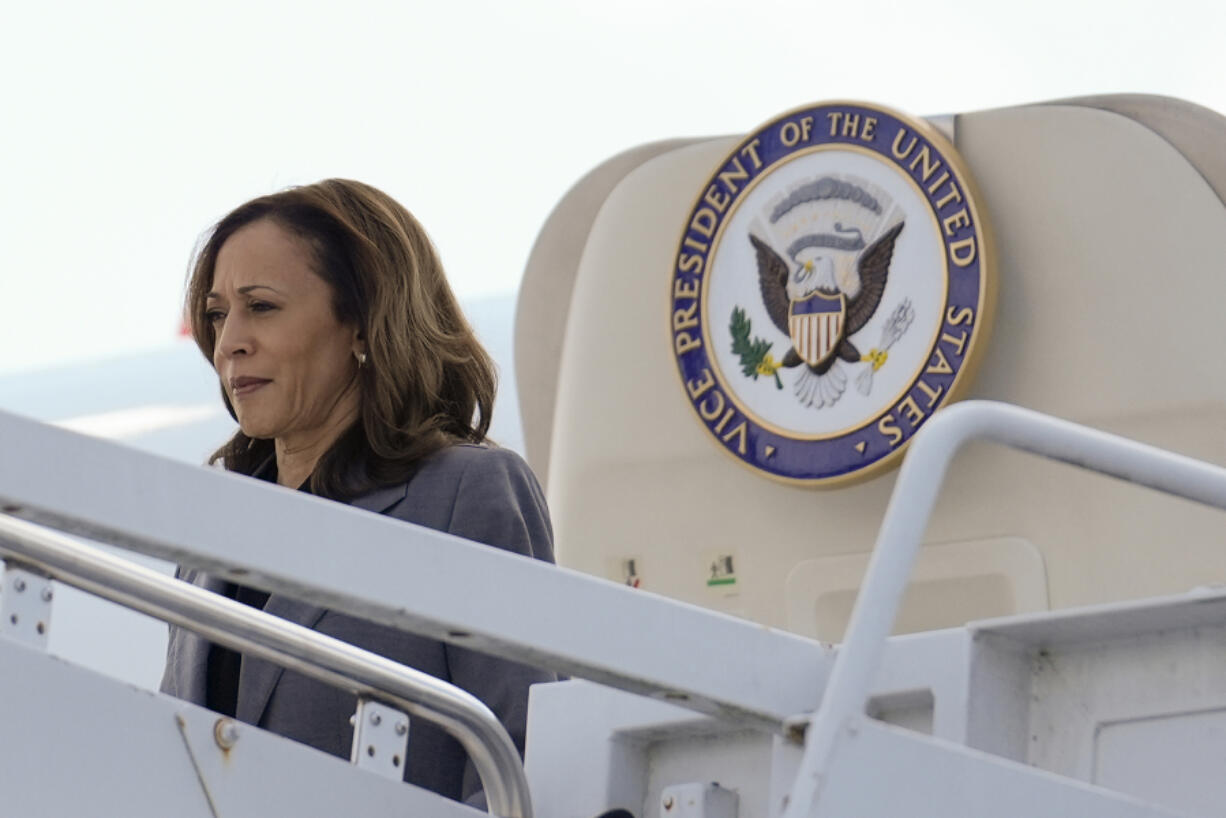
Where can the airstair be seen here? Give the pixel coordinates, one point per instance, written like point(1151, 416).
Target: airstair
point(672, 710)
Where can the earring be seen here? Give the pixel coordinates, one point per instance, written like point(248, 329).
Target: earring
point(361, 356)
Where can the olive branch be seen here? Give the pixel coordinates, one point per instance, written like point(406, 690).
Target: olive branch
point(755, 354)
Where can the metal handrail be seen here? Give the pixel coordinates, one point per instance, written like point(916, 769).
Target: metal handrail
point(906, 518)
point(243, 628)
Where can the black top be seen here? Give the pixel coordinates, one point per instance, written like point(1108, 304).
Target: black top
point(224, 664)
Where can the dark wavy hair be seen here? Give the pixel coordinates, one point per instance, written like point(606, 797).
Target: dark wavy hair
point(427, 382)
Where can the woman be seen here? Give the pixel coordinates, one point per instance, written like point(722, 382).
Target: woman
point(353, 375)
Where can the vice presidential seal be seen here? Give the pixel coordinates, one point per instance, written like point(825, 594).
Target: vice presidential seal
point(831, 290)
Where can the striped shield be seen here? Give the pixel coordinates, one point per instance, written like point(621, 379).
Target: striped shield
point(816, 325)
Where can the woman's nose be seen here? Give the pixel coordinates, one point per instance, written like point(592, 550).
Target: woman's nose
point(233, 338)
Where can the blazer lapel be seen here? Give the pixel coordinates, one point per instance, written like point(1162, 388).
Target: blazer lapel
point(188, 653)
point(380, 500)
point(257, 678)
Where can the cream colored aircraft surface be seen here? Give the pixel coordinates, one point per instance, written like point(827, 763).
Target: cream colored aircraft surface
point(1108, 219)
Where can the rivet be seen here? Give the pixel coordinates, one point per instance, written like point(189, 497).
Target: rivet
point(225, 733)
point(376, 719)
point(668, 802)
point(401, 728)
point(46, 594)
point(19, 585)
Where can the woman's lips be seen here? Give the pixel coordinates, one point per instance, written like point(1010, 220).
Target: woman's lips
point(242, 387)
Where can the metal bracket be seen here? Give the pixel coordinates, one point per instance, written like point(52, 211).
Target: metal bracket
point(698, 800)
point(25, 606)
point(380, 739)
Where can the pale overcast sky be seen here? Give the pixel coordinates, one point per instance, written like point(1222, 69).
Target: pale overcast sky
point(128, 127)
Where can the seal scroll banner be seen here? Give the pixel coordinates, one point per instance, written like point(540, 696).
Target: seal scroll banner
point(832, 288)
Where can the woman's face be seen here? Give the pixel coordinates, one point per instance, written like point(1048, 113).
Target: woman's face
point(287, 364)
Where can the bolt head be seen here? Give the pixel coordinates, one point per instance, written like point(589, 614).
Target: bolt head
point(225, 733)
point(376, 719)
point(19, 585)
point(668, 802)
point(401, 728)
point(46, 594)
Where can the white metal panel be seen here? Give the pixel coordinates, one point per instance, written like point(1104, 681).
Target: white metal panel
point(999, 696)
point(1174, 759)
point(74, 743)
point(933, 664)
point(1082, 689)
point(1096, 623)
point(906, 519)
point(587, 747)
point(738, 761)
point(884, 772)
point(591, 747)
point(370, 566)
point(698, 799)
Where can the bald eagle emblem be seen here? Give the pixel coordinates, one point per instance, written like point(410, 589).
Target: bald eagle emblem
point(838, 236)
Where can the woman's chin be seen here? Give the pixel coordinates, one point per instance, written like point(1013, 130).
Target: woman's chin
point(252, 428)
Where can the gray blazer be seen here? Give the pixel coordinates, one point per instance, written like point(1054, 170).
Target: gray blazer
point(482, 494)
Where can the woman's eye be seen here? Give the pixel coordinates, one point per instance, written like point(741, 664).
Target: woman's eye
point(261, 306)
point(214, 316)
